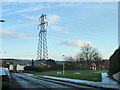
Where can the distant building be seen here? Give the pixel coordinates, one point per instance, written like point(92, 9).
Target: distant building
point(11, 67)
point(93, 66)
point(50, 63)
point(88, 65)
point(41, 65)
point(105, 64)
point(59, 62)
point(37, 62)
point(20, 68)
point(15, 65)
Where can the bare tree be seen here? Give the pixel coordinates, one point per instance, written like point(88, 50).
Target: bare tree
point(79, 57)
point(89, 54)
point(69, 58)
point(85, 58)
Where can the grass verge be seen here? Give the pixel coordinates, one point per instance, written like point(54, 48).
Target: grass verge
point(89, 75)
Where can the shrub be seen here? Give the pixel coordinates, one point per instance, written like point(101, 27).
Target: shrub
point(35, 68)
point(114, 61)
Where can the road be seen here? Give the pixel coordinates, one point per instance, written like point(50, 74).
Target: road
point(25, 81)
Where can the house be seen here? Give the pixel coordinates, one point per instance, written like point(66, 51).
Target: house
point(10, 67)
point(105, 64)
point(41, 65)
point(50, 63)
point(59, 62)
point(20, 68)
point(93, 67)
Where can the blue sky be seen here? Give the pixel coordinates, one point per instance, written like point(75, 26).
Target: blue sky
point(69, 26)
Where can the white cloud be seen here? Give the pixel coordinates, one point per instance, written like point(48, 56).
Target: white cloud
point(59, 28)
point(52, 19)
point(52, 23)
point(19, 21)
point(29, 9)
point(77, 43)
point(31, 17)
point(10, 34)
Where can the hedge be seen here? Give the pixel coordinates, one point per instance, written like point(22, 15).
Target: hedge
point(114, 61)
point(35, 68)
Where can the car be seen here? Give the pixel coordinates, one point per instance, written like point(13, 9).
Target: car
point(5, 76)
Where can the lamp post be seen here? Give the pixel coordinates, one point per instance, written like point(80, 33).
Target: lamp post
point(2, 21)
point(63, 64)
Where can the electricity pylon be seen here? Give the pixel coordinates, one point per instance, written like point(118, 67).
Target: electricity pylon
point(42, 52)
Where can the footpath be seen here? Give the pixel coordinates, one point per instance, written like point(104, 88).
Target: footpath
point(106, 83)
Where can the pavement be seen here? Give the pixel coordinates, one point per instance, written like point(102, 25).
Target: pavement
point(106, 83)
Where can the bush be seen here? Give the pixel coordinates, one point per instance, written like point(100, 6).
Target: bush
point(114, 61)
point(35, 68)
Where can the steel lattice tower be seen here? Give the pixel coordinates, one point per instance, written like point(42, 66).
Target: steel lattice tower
point(42, 52)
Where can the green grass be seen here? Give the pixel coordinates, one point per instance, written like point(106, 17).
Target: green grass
point(84, 76)
point(90, 75)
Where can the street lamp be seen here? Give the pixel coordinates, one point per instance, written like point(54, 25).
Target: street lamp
point(63, 64)
point(2, 21)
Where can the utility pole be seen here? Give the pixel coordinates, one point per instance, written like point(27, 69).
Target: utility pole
point(32, 62)
point(42, 52)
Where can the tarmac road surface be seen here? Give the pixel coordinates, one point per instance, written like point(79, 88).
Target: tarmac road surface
point(26, 82)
